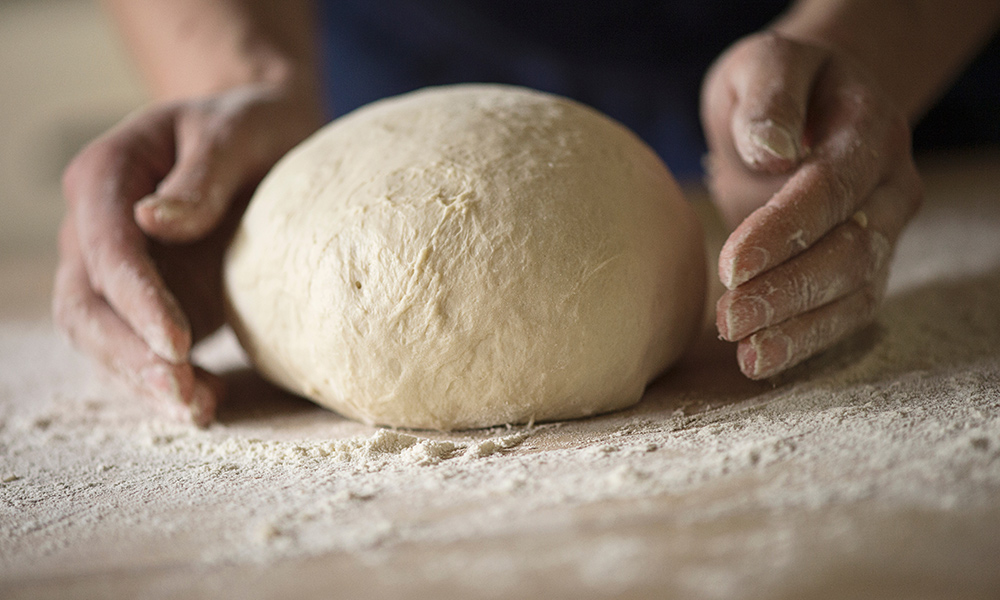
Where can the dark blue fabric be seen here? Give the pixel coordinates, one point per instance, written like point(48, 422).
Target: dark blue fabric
point(968, 115)
point(640, 61)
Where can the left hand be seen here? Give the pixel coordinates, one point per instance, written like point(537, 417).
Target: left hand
point(150, 209)
point(811, 164)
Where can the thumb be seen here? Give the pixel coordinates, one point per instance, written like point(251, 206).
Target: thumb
point(771, 99)
point(196, 193)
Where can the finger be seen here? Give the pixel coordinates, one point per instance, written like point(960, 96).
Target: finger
point(772, 90)
point(210, 392)
point(735, 191)
point(94, 327)
point(194, 196)
point(846, 259)
point(101, 186)
point(858, 142)
point(780, 347)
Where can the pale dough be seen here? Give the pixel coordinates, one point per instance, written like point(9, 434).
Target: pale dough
point(467, 256)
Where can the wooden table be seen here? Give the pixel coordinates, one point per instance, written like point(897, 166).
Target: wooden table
point(872, 472)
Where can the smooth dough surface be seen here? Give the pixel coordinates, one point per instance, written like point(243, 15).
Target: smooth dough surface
point(467, 256)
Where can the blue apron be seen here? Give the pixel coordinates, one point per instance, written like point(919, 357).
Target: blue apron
point(640, 61)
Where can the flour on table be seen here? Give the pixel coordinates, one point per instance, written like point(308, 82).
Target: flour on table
point(876, 465)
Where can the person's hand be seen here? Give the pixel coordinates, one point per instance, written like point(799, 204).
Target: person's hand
point(150, 207)
point(811, 164)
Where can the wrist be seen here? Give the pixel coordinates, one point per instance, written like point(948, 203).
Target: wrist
point(911, 50)
point(295, 82)
point(862, 33)
point(196, 48)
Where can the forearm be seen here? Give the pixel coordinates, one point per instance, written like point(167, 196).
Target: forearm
point(914, 48)
point(189, 48)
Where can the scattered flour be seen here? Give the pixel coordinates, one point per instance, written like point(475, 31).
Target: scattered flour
point(88, 466)
point(886, 450)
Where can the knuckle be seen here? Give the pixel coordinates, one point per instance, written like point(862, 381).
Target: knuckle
point(863, 104)
point(99, 159)
point(102, 262)
point(770, 41)
point(805, 292)
point(756, 45)
point(82, 168)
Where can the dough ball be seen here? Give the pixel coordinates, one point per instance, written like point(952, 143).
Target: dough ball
point(467, 256)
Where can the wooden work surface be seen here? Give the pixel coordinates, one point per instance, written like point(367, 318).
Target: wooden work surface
point(872, 472)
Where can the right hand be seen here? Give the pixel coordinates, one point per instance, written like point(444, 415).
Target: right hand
point(811, 166)
point(150, 207)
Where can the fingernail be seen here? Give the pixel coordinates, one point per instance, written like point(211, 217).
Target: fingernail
point(170, 210)
point(168, 336)
point(162, 344)
point(202, 405)
point(765, 355)
point(746, 265)
point(165, 209)
point(775, 140)
point(747, 358)
point(746, 315)
point(162, 381)
point(173, 412)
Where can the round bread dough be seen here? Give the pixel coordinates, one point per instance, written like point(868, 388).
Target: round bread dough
point(467, 256)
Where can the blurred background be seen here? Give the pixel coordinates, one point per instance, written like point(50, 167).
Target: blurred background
point(64, 79)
